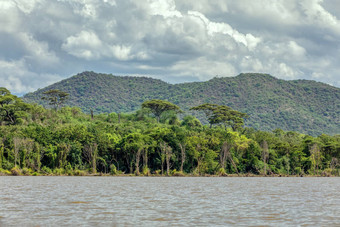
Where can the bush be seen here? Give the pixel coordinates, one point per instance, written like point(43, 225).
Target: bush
point(327, 172)
point(78, 172)
point(26, 171)
point(298, 170)
point(146, 171)
point(178, 173)
point(7, 165)
point(46, 170)
point(221, 172)
point(15, 171)
point(58, 171)
point(113, 169)
point(4, 172)
point(69, 169)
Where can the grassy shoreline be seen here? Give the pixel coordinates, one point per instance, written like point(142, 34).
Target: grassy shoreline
point(58, 172)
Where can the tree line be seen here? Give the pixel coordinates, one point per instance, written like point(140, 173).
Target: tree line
point(154, 140)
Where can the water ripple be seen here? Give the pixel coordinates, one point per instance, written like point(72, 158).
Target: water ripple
point(130, 201)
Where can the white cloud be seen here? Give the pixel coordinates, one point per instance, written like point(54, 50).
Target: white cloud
point(16, 76)
point(296, 49)
point(248, 40)
point(121, 52)
point(85, 45)
point(289, 39)
point(9, 17)
point(38, 51)
point(165, 8)
point(27, 6)
point(202, 67)
point(317, 15)
point(250, 64)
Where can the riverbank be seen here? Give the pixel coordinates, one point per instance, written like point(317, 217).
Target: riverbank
point(62, 172)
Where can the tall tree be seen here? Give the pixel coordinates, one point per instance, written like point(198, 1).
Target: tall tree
point(224, 154)
point(265, 156)
point(183, 156)
point(208, 110)
point(2, 148)
point(220, 114)
point(316, 158)
point(158, 107)
point(91, 154)
point(12, 108)
point(55, 97)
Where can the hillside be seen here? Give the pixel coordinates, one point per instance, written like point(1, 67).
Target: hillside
point(305, 106)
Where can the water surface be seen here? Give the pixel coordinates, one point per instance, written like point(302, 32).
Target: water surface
point(167, 201)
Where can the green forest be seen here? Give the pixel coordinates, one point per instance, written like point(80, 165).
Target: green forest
point(152, 141)
point(304, 106)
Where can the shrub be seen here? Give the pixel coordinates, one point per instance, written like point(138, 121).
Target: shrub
point(146, 171)
point(78, 172)
point(26, 171)
point(69, 169)
point(58, 171)
point(15, 171)
point(221, 172)
point(113, 169)
point(46, 170)
point(178, 173)
point(7, 165)
point(298, 170)
point(327, 172)
point(4, 172)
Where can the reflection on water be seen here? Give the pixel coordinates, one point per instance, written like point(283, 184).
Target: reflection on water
point(164, 201)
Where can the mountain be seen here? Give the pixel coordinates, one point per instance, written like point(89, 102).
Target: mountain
point(300, 105)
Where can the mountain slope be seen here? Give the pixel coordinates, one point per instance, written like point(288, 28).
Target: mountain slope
point(305, 106)
point(104, 93)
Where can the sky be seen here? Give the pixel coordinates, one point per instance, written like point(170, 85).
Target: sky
point(45, 41)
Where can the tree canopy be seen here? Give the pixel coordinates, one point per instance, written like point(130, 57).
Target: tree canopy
point(55, 97)
point(12, 108)
point(220, 114)
point(70, 142)
point(271, 102)
point(158, 107)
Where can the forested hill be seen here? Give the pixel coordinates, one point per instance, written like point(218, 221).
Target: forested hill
point(300, 105)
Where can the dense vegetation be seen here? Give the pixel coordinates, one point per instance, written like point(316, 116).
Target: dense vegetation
point(304, 106)
point(35, 140)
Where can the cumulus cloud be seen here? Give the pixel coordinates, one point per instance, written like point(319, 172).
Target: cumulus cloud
point(85, 44)
point(17, 76)
point(173, 40)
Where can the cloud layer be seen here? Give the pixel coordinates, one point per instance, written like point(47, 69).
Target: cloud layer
point(45, 41)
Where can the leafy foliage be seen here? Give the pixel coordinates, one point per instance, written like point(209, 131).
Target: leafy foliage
point(55, 97)
point(12, 108)
point(158, 107)
point(220, 114)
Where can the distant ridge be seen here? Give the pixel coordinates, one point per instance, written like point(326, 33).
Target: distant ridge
point(299, 105)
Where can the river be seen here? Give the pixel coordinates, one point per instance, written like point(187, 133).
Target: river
point(169, 201)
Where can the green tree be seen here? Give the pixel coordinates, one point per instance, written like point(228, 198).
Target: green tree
point(191, 122)
point(208, 110)
point(91, 154)
point(55, 97)
point(133, 145)
point(12, 108)
point(158, 107)
point(220, 114)
point(1, 152)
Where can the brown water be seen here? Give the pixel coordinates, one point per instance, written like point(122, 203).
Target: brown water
point(166, 201)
